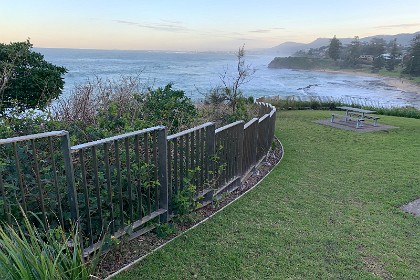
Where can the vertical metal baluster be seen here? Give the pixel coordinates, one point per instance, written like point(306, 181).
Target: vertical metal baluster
point(155, 169)
point(147, 160)
point(181, 163)
point(176, 158)
point(197, 159)
point(202, 168)
point(187, 154)
point(40, 188)
point(169, 167)
point(56, 186)
point(129, 187)
point(192, 156)
point(119, 182)
point(96, 182)
point(86, 195)
point(241, 136)
point(20, 178)
point(138, 185)
point(229, 146)
point(226, 144)
point(163, 194)
point(233, 153)
point(210, 160)
point(222, 159)
point(109, 186)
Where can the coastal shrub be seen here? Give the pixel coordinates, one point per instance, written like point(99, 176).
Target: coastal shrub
point(168, 107)
point(101, 108)
point(293, 103)
point(406, 112)
point(18, 122)
point(215, 110)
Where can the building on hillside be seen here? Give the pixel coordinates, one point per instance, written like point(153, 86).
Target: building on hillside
point(366, 58)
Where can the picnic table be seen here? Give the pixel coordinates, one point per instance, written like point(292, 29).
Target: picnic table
point(356, 114)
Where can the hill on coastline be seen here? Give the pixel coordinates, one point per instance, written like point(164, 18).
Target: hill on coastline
point(289, 48)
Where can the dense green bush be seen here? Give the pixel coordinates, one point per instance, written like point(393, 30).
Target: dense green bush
point(168, 107)
point(26, 78)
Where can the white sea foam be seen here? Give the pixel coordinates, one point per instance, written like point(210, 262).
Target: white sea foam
point(190, 71)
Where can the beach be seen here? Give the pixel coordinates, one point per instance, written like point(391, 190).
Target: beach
point(409, 90)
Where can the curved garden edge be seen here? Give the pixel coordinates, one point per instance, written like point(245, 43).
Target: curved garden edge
point(273, 158)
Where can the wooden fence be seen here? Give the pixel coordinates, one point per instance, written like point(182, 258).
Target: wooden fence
point(123, 183)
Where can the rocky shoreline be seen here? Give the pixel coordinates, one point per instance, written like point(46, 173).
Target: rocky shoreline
point(409, 90)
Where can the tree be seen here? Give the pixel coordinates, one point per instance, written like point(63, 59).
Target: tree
point(352, 58)
point(26, 79)
point(230, 91)
point(334, 48)
point(412, 64)
point(376, 47)
point(392, 62)
point(378, 63)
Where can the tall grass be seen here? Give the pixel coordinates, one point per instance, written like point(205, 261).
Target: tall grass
point(29, 253)
point(329, 103)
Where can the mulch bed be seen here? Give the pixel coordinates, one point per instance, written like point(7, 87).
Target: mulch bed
point(130, 250)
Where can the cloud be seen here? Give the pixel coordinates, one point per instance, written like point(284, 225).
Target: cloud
point(266, 30)
point(165, 25)
point(399, 25)
point(126, 22)
point(260, 31)
point(172, 21)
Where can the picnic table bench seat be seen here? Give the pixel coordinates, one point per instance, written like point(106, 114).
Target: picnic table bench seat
point(348, 118)
point(374, 118)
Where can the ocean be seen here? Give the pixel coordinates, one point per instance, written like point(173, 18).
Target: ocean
point(198, 72)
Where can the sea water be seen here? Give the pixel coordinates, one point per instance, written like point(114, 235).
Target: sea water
point(198, 72)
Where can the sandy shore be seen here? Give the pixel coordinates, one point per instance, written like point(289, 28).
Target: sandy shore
point(409, 91)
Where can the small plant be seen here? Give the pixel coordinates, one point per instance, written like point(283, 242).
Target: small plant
point(29, 253)
point(164, 230)
point(185, 202)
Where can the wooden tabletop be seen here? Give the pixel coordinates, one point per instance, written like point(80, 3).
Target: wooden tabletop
point(356, 110)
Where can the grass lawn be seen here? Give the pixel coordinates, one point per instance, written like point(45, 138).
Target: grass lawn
point(330, 210)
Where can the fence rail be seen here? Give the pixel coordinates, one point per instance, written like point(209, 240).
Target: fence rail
point(124, 182)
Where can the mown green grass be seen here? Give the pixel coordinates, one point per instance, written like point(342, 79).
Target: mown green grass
point(330, 210)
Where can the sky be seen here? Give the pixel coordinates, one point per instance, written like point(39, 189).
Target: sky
point(198, 25)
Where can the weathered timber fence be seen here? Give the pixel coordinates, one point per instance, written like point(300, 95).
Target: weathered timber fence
point(123, 183)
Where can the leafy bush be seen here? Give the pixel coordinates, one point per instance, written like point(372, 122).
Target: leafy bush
point(26, 78)
point(164, 230)
point(168, 107)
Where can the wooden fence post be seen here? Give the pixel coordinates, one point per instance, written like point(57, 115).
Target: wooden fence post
point(68, 166)
point(163, 175)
